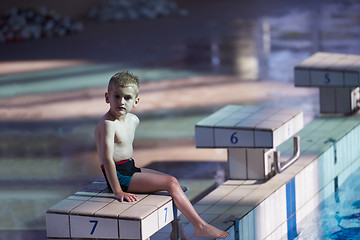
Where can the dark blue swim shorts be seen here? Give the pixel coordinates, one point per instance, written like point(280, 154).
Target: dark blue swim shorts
point(124, 170)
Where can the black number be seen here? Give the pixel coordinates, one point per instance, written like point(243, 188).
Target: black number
point(95, 222)
point(234, 139)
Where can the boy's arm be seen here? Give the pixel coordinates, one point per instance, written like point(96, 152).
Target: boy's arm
point(107, 151)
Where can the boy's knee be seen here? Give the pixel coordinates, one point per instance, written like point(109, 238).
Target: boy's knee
point(172, 182)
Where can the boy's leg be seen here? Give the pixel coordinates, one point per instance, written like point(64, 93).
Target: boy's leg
point(177, 232)
point(149, 181)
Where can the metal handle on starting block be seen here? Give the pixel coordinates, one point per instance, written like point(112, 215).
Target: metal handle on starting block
point(278, 168)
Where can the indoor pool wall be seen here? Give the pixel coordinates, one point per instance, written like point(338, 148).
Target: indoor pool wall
point(329, 147)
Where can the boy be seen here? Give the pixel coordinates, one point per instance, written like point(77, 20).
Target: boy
point(114, 136)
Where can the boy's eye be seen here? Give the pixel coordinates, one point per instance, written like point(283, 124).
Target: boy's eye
point(127, 97)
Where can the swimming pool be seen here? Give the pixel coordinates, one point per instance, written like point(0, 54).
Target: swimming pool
point(280, 206)
point(338, 215)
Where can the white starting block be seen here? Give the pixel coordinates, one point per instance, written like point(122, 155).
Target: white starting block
point(94, 213)
point(337, 76)
point(251, 134)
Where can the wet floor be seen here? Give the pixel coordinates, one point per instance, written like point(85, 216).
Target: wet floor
point(223, 52)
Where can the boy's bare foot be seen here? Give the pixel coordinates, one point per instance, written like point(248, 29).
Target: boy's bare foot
point(210, 231)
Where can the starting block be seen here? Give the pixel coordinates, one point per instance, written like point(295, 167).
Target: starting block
point(337, 76)
point(251, 134)
point(94, 213)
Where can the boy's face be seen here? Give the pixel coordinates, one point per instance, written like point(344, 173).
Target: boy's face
point(121, 99)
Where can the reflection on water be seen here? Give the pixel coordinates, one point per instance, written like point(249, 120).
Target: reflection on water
point(269, 47)
point(334, 27)
point(40, 164)
point(338, 216)
point(239, 52)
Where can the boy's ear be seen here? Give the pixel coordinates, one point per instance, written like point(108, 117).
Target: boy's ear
point(107, 97)
point(137, 99)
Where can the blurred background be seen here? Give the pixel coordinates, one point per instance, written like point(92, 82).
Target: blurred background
point(192, 57)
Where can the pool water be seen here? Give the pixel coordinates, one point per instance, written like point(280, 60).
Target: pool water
point(338, 216)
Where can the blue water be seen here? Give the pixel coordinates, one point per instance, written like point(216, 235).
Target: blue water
point(338, 216)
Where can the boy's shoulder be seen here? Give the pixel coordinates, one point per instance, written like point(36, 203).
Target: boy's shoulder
point(100, 125)
point(133, 118)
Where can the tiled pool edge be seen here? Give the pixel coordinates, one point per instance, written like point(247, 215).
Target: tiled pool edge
point(272, 209)
point(306, 181)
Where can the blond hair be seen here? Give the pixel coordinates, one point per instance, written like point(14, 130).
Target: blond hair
point(124, 79)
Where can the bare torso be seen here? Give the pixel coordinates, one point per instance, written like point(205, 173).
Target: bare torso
point(124, 131)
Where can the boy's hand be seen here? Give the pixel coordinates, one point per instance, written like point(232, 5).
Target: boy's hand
point(129, 197)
